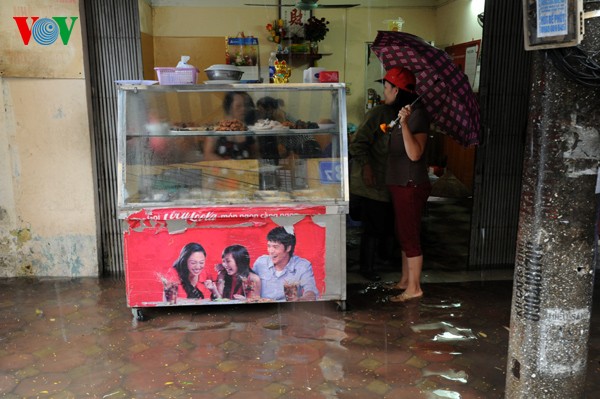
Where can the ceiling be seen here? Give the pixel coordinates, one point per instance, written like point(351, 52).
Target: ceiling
point(240, 3)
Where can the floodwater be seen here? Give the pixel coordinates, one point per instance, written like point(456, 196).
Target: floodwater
point(76, 338)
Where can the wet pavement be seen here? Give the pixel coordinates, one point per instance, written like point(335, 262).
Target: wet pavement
point(76, 338)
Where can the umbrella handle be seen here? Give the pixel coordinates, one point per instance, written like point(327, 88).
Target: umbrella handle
point(386, 127)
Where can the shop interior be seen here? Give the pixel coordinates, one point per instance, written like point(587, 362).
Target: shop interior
point(168, 32)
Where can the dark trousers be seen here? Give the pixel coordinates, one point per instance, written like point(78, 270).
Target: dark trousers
point(377, 221)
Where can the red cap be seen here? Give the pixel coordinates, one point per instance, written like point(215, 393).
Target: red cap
point(400, 77)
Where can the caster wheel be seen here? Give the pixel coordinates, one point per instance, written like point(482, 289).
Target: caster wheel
point(341, 306)
point(138, 314)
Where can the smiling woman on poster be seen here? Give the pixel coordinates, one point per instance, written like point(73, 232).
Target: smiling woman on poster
point(189, 267)
point(283, 275)
point(236, 280)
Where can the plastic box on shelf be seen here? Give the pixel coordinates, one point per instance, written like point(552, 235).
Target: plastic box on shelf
point(176, 76)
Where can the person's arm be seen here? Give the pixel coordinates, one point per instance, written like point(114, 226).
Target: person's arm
point(213, 288)
point(309, 286)
point(221, 283)
point(209, 149)
point(414, 143)
point(362, 142)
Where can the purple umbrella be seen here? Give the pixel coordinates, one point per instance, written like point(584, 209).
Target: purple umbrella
point(445, 89)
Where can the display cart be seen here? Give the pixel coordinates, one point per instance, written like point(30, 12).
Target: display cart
point(176, 190)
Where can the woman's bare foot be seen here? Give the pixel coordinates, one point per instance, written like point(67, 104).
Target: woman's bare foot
point(404, 297)
point(400, 286)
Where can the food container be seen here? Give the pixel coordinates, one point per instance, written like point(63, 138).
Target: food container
point(176, 76)
point(223, 72)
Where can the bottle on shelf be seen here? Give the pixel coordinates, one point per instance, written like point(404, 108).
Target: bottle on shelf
point(272, 60)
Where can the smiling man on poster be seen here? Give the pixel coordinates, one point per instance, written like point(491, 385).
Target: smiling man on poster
point(283, 275)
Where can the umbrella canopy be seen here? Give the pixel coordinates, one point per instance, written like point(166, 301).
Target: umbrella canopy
point(445, 89)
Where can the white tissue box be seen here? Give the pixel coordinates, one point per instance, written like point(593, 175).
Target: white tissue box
point(311, 75)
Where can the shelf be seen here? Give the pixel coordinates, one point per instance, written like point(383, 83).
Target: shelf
point(301, 58)
point(275, 132)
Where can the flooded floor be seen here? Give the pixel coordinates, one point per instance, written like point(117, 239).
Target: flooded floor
point(76, 338)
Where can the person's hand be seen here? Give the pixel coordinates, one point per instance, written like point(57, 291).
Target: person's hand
point(308, 296)
point(368, 176)
point(239, 297)
point(404, 114)
point(210, 285)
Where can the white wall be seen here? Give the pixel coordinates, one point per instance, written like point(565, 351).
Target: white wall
point(456, 22)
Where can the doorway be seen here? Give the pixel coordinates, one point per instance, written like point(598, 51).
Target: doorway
point(497, 172)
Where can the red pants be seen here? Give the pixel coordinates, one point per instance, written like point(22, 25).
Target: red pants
point(409, 202)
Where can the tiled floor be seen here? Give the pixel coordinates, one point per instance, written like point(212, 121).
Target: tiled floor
point(77, 339)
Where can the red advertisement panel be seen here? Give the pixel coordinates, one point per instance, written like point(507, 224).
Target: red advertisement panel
point(196, 256)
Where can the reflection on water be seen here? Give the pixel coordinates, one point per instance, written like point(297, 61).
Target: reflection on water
point(443, 305)
point(442, 393)
point(451, 333)
point(64, 336)
point(452, 375)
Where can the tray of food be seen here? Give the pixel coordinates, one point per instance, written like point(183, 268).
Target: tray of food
point(267, 126)
point(230, 125)
point(301, 126)
point(192, 128)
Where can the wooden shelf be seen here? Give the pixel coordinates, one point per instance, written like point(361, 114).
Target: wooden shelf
point(301, 58)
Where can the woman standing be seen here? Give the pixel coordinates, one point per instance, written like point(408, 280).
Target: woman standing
point(369, 194)
point(239, 108)
point(407, 179)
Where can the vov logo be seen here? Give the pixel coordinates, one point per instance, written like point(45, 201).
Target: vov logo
point(45, 31)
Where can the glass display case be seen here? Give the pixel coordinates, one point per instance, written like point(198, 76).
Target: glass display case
point(179, 145)
point(225, 165)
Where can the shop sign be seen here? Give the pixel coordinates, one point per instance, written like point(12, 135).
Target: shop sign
point(330, 172)
point(41, 39)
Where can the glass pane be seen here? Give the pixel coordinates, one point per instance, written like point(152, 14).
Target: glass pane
point(207, 145)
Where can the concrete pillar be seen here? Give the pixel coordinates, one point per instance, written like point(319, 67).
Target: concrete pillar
point(553, 280)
